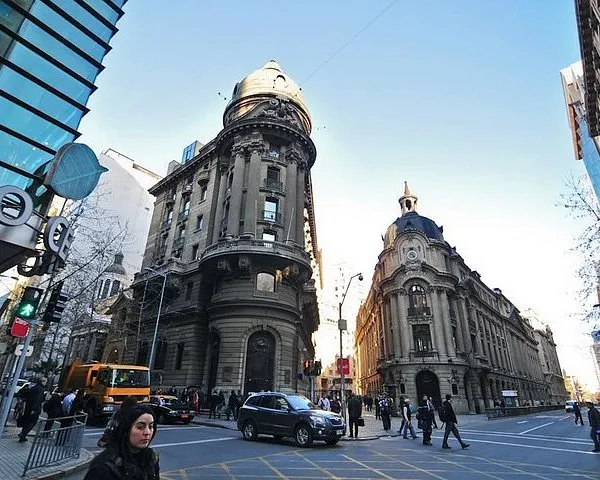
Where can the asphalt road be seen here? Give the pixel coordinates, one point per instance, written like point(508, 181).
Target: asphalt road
point(547, 446)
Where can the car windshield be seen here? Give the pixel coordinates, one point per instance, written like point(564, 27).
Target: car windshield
point(173, 402)
point(123, 377)
point(298, 402)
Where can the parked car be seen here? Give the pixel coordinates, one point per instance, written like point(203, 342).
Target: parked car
point(169, 409)
point(289, 415)
point(569, 406)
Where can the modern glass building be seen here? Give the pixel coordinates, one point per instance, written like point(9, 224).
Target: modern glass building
point(51, 52)
point(586, 147)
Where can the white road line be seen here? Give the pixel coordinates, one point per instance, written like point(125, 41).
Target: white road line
point(97, 432)
point(535, 428)
point(538, 447)
point(522, 421)
point(535, 438)
point(531, 436)
point(222, 439)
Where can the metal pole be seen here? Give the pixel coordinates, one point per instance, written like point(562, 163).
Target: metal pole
point(137, 338)
point(13, 384)
point(153, 349)
point(341, 360)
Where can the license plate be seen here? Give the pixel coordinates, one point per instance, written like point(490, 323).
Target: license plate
point(340, 432)
point(184, 416)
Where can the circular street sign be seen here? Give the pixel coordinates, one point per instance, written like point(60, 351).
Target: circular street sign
point(74, 171)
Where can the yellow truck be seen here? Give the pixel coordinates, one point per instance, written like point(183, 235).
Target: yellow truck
point(105, 385)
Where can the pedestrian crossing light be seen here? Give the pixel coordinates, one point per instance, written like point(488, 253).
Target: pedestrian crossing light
point(56, 304)
point(28, 305)
point(307, 367)
point(317, 368)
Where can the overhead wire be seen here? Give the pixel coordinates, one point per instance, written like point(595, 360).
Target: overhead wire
point(348, 42)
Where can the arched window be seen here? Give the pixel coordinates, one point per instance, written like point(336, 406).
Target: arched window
point(265, 282)
point(116, 286)
point(417, 301)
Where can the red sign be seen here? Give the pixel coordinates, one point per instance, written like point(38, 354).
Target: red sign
point(19, 328)
point(346, 365)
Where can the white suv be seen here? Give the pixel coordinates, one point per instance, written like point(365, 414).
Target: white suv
point(569, 406)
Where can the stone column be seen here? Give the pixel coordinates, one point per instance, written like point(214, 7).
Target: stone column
point(393, 306)
point(222, 186)
point(291, 209)
point(444, 306)
point(300, 195)
point(252, 207)
point(463, 318)
point(437, 325)
point(405, 331)
point(235, 202)
point(477, 335)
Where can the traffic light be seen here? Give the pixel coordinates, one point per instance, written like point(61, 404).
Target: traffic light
point(29, 303)
point(307, 367)
point(316, 368)
point(56, 304)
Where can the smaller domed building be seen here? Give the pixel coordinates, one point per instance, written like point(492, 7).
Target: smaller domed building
point(430, 325)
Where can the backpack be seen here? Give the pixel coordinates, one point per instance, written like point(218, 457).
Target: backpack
point(442, 414)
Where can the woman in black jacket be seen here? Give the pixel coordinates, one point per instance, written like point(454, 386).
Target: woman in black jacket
point(128, 455)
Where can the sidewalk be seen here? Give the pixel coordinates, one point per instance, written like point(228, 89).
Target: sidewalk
point(372, 430)
point(13, 456)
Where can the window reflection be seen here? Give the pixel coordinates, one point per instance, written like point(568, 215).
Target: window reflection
point(85, 18)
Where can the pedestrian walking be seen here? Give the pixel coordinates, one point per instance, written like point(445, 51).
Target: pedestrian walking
point(448, 416)
point(577, 412)
point(335, 405)
point(53, 409)
point(232, 404)
point(324, 403)
point(354, 413)
point(425, 418)
point(128, 455)
point(407, 414)
point(594, 419)
point(212, 406)
point(384, 412)
point(34, 398)
point(432, 409)
point(377, 411)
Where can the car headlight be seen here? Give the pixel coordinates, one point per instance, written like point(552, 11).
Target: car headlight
point(108, 408)
point(318, 420)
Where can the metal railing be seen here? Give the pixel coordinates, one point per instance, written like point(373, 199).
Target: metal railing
point(52, 445)
point(500, 412)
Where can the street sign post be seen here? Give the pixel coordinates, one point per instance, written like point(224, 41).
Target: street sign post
point(343, 363)
point(19, 328)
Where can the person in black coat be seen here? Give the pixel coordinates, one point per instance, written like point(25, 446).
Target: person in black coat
point(129, 455)
point(594, 419)
point(34, 398)
point(425, 419)
point(451, 422)
point(577, 412)
point(354, 413)
point(53, 409)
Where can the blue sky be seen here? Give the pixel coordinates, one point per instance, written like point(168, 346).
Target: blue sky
point(462, 99)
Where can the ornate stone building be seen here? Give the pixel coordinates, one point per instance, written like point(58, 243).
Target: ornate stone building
point(229, 231)
point(430, 326)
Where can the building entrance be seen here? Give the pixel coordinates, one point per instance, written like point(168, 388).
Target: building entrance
point(428, 384)
point(260, 362)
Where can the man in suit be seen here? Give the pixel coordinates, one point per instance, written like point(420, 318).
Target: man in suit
point(451, 422)
point(594, 419)
point(34, 398)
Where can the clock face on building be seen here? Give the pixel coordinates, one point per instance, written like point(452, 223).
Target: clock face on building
point(412, 255)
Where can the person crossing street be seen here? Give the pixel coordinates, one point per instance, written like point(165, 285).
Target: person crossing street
point(448, 416)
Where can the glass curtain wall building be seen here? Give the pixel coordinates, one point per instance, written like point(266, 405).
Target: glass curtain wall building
point(51, 52)
point(585, 146)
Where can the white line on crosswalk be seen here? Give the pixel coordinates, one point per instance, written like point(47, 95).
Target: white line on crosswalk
point(535, 438)
point(522, 421)
point(163, 429)
point(539, 447)
point(208, 440)
point(535, 428)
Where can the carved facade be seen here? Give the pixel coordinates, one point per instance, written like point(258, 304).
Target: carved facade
point(431, 326)
point(228, 229)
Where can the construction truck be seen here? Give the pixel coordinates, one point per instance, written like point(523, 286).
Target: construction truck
point(105, 385)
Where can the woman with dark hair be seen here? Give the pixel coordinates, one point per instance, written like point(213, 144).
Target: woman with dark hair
point(113, 423)
point(128, 455)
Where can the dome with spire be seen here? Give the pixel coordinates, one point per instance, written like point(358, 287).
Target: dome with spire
point(269, 80)
point(411, 220)
point(117, 265)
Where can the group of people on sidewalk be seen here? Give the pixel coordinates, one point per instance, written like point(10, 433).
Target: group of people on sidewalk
point(594, 421)
point(425, 416)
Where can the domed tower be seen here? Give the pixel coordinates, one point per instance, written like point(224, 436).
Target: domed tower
point(258, 295)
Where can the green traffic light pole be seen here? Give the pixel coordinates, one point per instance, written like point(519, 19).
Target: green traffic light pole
point(6, 404)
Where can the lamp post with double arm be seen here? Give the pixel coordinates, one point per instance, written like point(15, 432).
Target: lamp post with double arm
point(342, 325)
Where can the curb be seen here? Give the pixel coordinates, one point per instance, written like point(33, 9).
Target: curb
point(65, 472)
point(215, 425)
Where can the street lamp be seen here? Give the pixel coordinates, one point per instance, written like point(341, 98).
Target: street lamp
point(162, 294)
point(343, 326)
